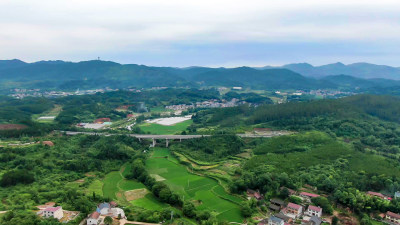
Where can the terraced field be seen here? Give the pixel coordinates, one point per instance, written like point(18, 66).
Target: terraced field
point(116, 187)
point(206, 192)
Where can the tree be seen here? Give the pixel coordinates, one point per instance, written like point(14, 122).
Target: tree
point(246, 210)
point(323, 203)
point(189, 210)
point(108, 220)
point(335, 220)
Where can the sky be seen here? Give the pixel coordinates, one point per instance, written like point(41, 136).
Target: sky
point(202, 33)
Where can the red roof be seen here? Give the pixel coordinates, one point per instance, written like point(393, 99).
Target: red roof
point(394, 215)
point(315, 208)
point(294, 206)
point(95, 215)
point(309, 194)
point(375, 194)
point(52, 209)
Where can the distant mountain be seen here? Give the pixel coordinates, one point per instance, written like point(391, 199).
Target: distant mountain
point(97, 74)
point(14, 63)
point(361, 70)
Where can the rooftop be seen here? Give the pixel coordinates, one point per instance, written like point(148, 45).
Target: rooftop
point(52, 209)
point(95, 215)
point(315, 208)
point(392, 214)
point(293, 206)
point(309, 194)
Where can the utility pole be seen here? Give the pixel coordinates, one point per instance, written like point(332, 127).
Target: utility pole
point(172, 215)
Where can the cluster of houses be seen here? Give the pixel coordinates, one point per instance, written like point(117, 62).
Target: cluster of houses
point(290, 213)
point(102, 211)
point(49, 210)
point(212, 103)
point(306, 213)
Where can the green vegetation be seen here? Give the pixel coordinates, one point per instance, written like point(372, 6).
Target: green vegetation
point(194, 188)
point(154, 128)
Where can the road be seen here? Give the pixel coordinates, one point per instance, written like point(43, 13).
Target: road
point(178, 137)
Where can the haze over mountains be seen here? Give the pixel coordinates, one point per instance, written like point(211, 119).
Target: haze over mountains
point(97, 74)
point(361, 70)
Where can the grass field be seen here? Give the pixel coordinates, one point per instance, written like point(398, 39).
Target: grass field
point(154, 128)
point(194, 187)
point(110, 187)
point(116, 187)
point(96, 186)
point(53, 112)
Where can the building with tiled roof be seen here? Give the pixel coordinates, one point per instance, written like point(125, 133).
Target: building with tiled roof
point(55, 212)
point(93, 218)
point(392, 218)
point(314, 211)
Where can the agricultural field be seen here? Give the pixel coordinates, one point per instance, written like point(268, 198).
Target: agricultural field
point(47, 116)
point(204, 192)
point(116, 187)
point(154, 128)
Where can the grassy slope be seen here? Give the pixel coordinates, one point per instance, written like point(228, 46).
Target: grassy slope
point(191, 186)
point(154, 128)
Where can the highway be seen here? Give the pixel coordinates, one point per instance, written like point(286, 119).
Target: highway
point(177, 137)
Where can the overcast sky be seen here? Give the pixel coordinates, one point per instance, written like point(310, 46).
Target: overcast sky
point(202, 32)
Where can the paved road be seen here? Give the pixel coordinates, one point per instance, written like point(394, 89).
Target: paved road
point(177, 137)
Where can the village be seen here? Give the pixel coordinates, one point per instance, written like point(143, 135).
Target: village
point(306, 212)
point(106, 213)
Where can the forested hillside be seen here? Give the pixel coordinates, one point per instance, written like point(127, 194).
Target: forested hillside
point(60, 75)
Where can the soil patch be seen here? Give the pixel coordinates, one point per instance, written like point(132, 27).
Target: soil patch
point(135, 194)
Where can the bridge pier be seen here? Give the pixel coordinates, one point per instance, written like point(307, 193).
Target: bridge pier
point(154, 143)
point(166, 142)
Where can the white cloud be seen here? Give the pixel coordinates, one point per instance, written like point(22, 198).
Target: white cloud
point(35, 29)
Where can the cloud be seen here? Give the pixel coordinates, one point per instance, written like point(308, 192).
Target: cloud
point(73, 30)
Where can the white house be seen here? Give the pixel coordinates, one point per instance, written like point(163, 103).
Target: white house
point(55, 212)
point(314, 211)
point(117, 211)
point(93, 219)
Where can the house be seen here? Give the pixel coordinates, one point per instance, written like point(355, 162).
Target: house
point(312, 221)
point(117, 213)
point(93, 219)
point(308, 196)
point(376, 194)
point(275, 221)
point(285, 218)
point(392, 218)
point(293, 210)
point(103, 208)
point(55, 212)
point(254, 194)
point(276, 204)
point(314, 211)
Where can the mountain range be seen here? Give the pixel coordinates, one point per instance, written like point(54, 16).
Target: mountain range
point(361, 70)
point(53, 75)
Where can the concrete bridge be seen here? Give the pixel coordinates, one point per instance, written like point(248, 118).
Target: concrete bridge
point(167, 138)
